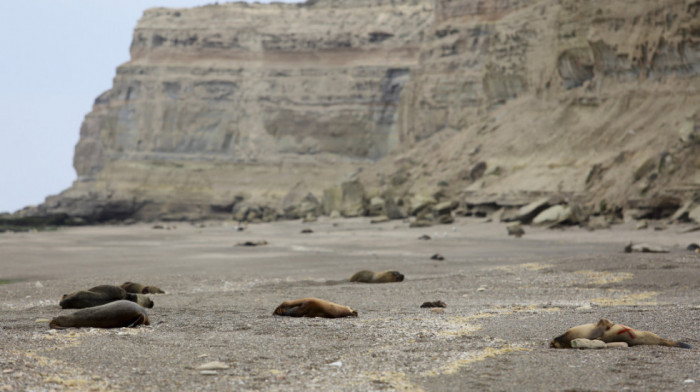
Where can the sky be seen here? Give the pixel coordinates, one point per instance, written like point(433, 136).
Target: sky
point(56, 57)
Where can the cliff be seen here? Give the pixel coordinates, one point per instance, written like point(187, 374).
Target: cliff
point(499, 101)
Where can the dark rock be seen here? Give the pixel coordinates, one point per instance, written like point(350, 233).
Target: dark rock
point(437, 256)
point(307, 231)
point(252, 243)
point(434, 304)
point(424, 237)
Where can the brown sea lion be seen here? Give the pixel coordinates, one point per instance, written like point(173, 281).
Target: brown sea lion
point(313, 307)
point(138, 288)
point(586, 331)
point(116, 314)
point(434, 304)
point(377, 277)
point(634, 337)
point(100, 295)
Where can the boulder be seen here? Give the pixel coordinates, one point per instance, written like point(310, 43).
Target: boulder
point(553, 215)
point(420, 203)
point(392, 210)
point(694, 214)
point(445, 207)
point(515, 229)
point(528, 212)
point(348, 198)
point(376, 206)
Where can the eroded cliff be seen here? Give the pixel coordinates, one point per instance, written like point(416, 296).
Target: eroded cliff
point(494, 100)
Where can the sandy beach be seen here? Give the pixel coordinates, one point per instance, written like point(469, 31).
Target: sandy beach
point(506, 298)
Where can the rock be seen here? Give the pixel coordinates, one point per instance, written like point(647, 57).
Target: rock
point(445, 219)
point(309, 218)
point(42, 320)
point(681, 214)
point(526, 213)
point(208, 372)
point(437, 256)
point(693, 247)
point(642, 224)
point(424, 237)
point(252, 243)
point(419, 203)
point(336, 363)
point(552, 215)
point(38, 285)
point(587, 344)
point(598, 222)
point(348, 198)
point(392, 210)
point(445, 207)
point(481, 288)
point(376, 206)
point(515, 229)
point(299, 202)
point(380, 219)
point(433, 304)
point(645, 248)
point(477, 171)
point(306, 231)
point(335, 214)
point(694, 214)
point(420, 223)
point(214, 365)
point(437, 310)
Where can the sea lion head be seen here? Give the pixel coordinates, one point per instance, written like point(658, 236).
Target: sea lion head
point(398, 277)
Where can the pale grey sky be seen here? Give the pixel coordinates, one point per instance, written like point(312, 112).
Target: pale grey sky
point(57, 57)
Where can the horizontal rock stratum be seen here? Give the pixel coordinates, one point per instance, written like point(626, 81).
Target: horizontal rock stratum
point(596, 100)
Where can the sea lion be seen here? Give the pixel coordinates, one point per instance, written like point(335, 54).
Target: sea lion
point(437, 256)
point(252, 243)
point(100, 295)
point(586, 331)
point(116, 314)
point(693, 247)
point(634, 337)
point(138, 288)
point(313, 307)
point(377, 277)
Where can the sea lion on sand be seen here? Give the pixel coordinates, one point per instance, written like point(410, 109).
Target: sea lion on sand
point(434, 304)
point(313, 307)
point(634, 337)
point(138, 288)
point(100, 295)
point(377, 277)
point(610, 333)
point(586, 331)
point(116, 314)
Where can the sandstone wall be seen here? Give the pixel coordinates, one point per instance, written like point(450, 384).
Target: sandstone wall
point(596, 100)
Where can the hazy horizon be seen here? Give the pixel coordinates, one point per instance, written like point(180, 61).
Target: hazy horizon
point(59, 56)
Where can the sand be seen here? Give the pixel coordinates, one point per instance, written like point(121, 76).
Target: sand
point(506, 298)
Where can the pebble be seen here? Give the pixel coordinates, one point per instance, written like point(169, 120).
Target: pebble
point(689, 381)
point(38, 284)
point(42, 320)
point(336, 363)
point(215, 365)
point(482, 288)
point(437, 310)
point(209, 372)
point(585, 307)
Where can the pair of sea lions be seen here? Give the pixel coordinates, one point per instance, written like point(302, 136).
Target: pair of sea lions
point(609, 332)
point(100, 295)
point(107, 306)
point(314, 307)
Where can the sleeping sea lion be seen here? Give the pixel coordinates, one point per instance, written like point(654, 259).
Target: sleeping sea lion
point(377, 277)
point(116, 314)
point(100, 295)
point(138, 288)
point(313, 307)
point(586, 331)
point(634, 337)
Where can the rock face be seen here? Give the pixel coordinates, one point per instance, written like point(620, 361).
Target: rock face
point(595, 99)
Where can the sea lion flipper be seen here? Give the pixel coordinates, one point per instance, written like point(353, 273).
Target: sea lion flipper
point(297, 311)
point(139, 320)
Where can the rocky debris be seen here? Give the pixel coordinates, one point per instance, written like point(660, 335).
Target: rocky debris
point(294, 206)
point(434, 304)
point(645, 248)
point(527, 213)
point(348, 198)
point(515, 229)
point(642, 224)
point(437, 256)
point(252, 243)
point(420, 223)
point(380, 219)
